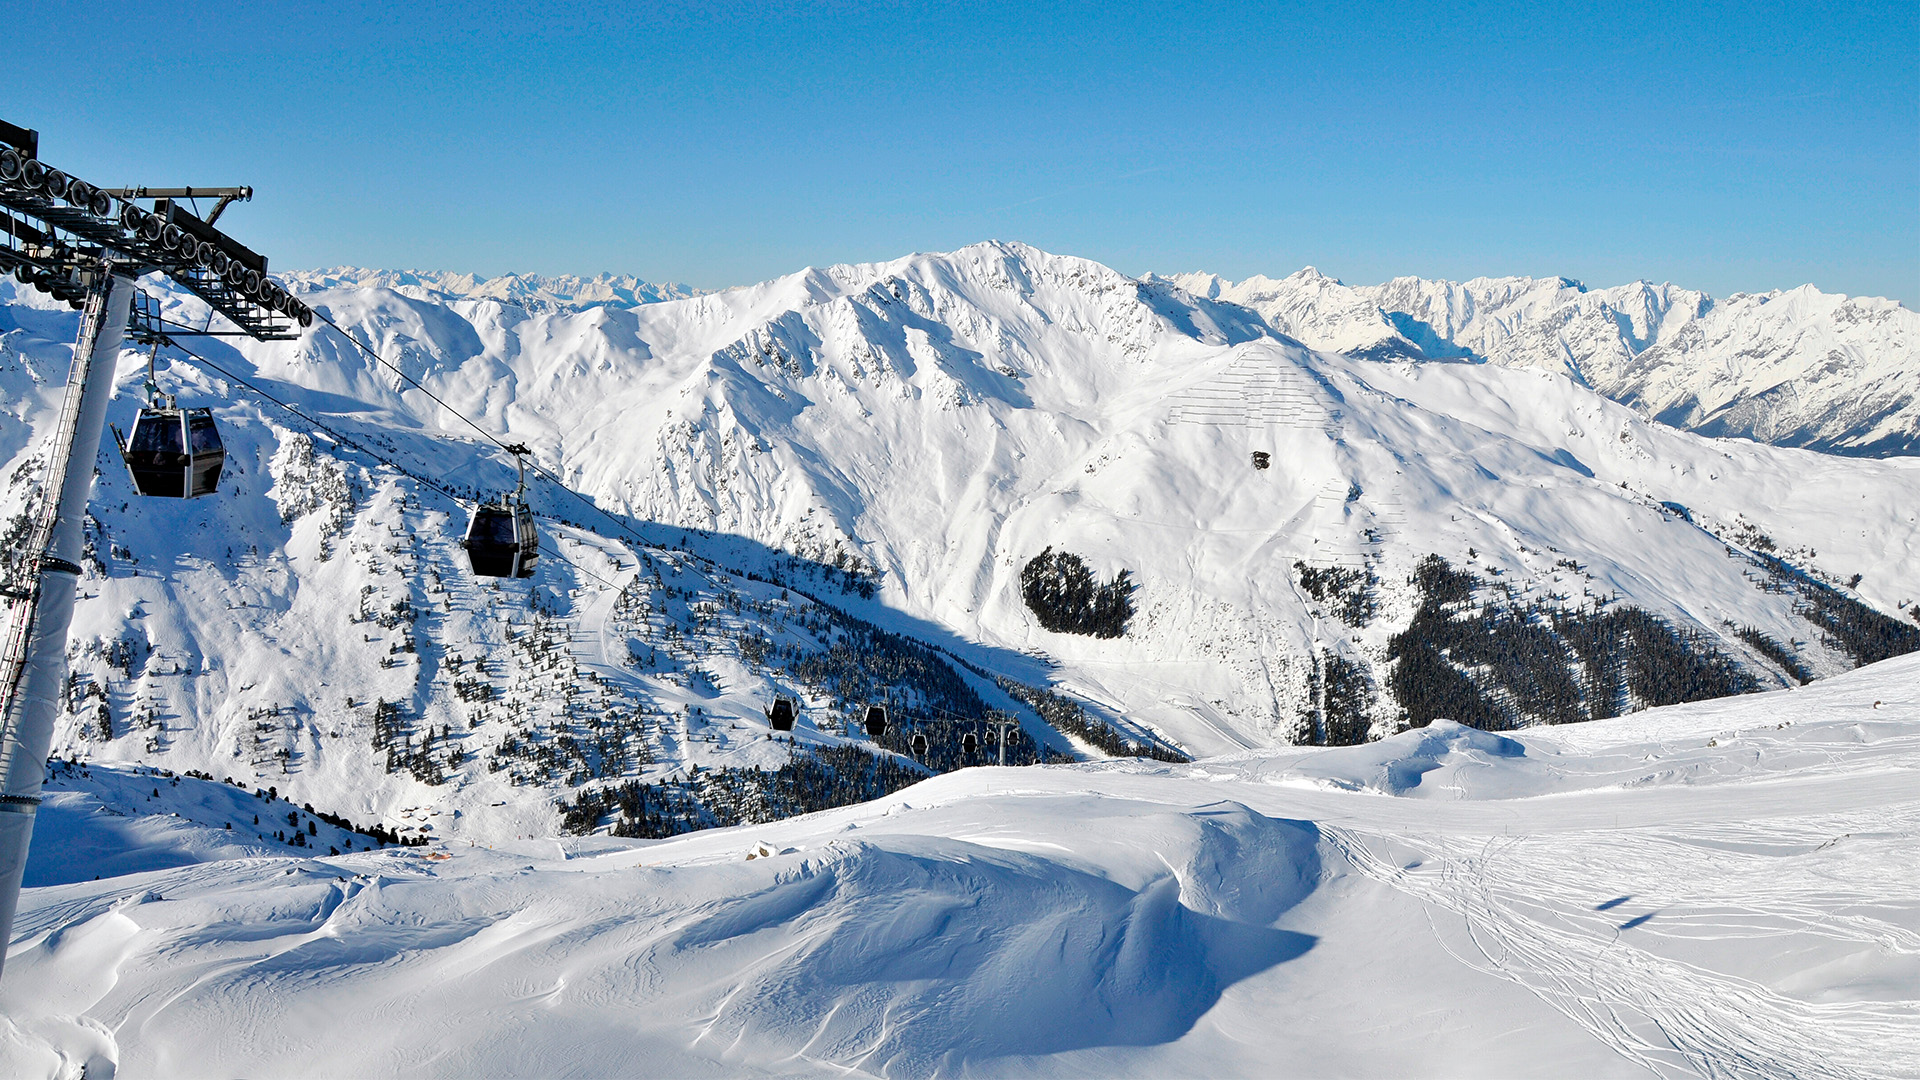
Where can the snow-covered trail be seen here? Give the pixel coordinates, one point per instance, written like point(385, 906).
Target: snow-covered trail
point(594, 647)
point(1725, 889)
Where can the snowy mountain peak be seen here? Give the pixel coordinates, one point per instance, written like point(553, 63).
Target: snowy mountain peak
point(1017, 497)
point(1310, 307)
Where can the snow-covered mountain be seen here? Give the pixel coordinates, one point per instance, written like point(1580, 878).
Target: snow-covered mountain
point(1793, 368)
point(1726, 889)
point(833, 485)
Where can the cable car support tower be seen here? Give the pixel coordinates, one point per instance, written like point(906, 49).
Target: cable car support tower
point(87, 245)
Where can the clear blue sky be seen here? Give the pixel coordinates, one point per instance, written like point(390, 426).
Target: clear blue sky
point(1744, 147)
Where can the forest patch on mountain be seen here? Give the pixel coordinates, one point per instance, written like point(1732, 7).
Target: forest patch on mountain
point(1064, 595)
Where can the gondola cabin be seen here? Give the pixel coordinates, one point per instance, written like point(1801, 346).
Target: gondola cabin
point(876, 721)
point(173, 453)
point(781, 716)
point(502, 542)
point(970, 743)
point(919, 743)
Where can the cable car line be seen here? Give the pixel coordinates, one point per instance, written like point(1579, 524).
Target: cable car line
point(382, 361)
point(781, 716)
point(355, 444)
point(490, 437)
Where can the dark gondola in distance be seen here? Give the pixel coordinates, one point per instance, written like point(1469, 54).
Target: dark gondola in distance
point(782, 715)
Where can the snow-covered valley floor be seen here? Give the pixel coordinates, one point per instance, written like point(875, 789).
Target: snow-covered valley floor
point(1729, 888)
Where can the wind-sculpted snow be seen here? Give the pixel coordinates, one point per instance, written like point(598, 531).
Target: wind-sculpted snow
point(1795, 368)
point(940, 937)
point(1722, 889)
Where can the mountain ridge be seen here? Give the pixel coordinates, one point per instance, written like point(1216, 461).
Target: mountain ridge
point(1792, 367)
point(536, 292)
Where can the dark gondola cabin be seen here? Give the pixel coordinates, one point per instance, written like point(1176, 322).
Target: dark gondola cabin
point(919, 744)
point(781, 715)
point(970, 743)
point(876, 721)
point(501, 541)
point(174, 453)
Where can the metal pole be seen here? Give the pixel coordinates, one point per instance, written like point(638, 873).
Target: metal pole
point(33, 670)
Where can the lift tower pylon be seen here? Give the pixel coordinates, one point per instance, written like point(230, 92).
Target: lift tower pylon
point(35, 662)
point(88, 245)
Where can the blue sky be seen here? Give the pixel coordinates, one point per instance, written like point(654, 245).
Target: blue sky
point(1743, 147)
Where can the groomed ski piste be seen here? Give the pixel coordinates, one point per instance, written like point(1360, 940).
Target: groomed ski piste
point(1727, 888)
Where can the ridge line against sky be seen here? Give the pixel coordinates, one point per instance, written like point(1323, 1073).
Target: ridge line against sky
point(1727, 148)
point(1171, 276)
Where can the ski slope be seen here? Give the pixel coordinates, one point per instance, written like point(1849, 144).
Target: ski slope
point(1729, 888)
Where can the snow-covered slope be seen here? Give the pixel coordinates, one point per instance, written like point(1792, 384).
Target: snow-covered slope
point(1794, 368)
point(1724, 889)
point(921, 430)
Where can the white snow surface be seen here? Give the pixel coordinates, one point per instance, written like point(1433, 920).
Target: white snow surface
point(1727, 889)
point(1794, 367)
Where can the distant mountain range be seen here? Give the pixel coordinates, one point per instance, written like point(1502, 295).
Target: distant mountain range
point(534, 292)
point(1797, 367)
point(1793, 368)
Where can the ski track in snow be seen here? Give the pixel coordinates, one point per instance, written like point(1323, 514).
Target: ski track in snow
point(1512, 906)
